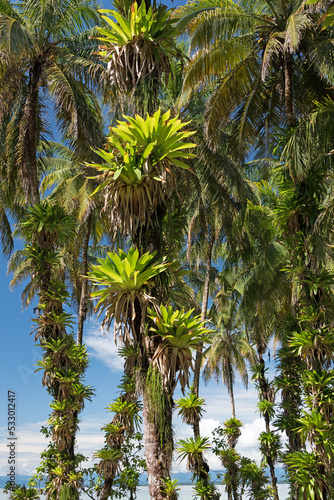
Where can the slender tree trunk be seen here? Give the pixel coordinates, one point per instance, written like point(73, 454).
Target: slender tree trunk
point(232, 400)
point(84, 288)
point(205, 300)
point(288, 92)
point(28, 138)
point(273, 477)
point(105, 492)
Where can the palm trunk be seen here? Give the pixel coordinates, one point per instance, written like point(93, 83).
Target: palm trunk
point(205, 301)
point(232, 400)
point(273, 477)
point(288, 92)
point(157, 418)
point(198, 360)
point(28, 138)
point(84, 289)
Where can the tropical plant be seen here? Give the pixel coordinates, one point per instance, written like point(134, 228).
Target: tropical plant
point(127, 279)
point(52, 44)
point(138, 46)
point(133, 465)
point(170, 489)
point(246, 53)
point(228, 352)
point(114, 434)
point(190, 408)
point(180, 334)
point(307, 473)
point(71, 188)
point(231, 431)
point(303, 182)
point(138, 169)
point(22, 493)
point(205, 491)
point(254, 478)
point(224, 440)
point(109, 462)
point(45, 228)
point(126, 414)
point(193, 450)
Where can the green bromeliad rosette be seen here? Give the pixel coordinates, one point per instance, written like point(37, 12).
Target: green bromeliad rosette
point(138, 172)
point(137, 44)
point(126, 280)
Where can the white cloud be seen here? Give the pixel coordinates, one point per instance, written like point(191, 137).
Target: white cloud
point(28, 447)
point(207, 426)
point(250, 433)
point(31, 442)
point(248, 444)
point(102, 346)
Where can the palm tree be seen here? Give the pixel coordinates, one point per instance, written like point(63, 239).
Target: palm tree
point(138, 174)
point(253, 58)
point(72, 186)
point(311, 337)
point(49, 50)
point(230, 349)
point(211, 215)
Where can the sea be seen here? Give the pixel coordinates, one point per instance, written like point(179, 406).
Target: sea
point(186, 493)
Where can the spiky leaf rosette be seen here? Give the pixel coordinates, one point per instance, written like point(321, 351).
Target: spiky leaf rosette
point(126, 279)
point(126, 414)
point(114, 434)
point(49, 224)
point(181, 334)
point(193, 449)
point(109, 462)
point(190, 408)
point(138, 173)
point(138, 44)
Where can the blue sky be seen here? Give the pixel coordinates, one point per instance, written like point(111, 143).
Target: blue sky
point(17, 373)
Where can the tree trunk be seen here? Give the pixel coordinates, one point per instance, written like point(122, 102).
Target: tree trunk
point(205, 300)
point(198, 360)
point(28, 138)
point(288, 92)
point(158, 458)
point(273, 478)
point(232, 400)
point(105, 492)
point(84, 288)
